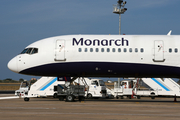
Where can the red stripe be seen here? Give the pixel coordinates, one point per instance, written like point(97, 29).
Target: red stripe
point(65, 78)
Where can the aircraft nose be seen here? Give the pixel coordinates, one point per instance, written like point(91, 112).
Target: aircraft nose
point(12, 65)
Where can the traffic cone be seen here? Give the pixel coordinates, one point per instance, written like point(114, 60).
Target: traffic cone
point(175, 99)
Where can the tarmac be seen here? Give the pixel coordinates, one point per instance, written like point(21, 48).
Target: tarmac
point(99, 109)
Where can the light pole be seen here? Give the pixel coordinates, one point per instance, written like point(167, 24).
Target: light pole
point(119, 9)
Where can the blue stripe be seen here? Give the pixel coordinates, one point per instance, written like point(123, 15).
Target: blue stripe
point(50, 83)
point(160, 84)
point(60, 86)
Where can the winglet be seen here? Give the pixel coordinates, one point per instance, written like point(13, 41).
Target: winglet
point(169, 32)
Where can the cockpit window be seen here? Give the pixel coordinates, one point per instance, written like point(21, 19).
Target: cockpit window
point(30, 51)
point(35, 50)
point(24, 51)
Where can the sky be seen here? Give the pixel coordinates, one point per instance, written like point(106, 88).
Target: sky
point(23, 22)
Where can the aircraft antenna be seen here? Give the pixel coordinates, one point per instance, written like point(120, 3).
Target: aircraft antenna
point(119, 9)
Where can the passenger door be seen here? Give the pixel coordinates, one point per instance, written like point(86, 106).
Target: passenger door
point(60, 50)
point(158, 51)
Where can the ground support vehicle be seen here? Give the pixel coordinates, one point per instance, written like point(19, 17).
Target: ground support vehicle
point(70, 92)
point(23, 89)
point(95, 88)
point(155, 87)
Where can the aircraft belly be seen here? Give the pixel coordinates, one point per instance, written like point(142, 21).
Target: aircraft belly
point(103, 69)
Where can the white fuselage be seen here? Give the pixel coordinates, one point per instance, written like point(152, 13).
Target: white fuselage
point(102, 56)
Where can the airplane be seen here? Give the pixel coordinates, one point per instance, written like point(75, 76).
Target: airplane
point(101, 56)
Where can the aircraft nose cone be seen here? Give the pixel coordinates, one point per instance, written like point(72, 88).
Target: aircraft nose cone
point(12, 65)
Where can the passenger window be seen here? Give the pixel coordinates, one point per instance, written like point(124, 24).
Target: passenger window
point(108, 50)
point(130, 49)
point(136, 50)
point(91, 49)
point(97, 50)
point(35, 50)
point(125, 50)
point(80, 50)
point(142, 50)
point(102, 49)
point(170, 50)
point(114, 50)
point(85, 50)
point(176, 50)
point(119, 49)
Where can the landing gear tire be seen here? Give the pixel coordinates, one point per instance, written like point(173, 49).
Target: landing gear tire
point(89, 96)
point(26, 99)
point(69, 98)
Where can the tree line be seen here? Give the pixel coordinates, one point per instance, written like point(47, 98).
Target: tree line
point(9, 80)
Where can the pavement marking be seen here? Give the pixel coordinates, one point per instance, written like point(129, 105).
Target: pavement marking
point(12, 97)
point(27, 108)
point(76, 113)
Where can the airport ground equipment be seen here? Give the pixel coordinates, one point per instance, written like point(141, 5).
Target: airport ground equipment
point(69, 92)
point(124, 89)
point(95, 88)
point(43, 87)
point(160, 87)
point(155, 87)
point(23, 89)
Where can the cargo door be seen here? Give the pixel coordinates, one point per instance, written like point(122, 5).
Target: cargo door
point(60, 50)
point(158, 51)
